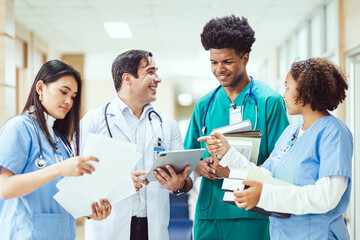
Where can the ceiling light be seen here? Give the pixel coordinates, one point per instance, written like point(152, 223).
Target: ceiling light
point(118, 29)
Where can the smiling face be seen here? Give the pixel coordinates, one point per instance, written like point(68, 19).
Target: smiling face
point(144, 87)
point(58, 97)
point(227, 66)
point(290, 95)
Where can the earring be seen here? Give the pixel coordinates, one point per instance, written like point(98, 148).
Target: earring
point(40, 97)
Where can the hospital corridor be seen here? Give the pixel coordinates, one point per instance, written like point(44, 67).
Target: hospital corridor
point(179, 120)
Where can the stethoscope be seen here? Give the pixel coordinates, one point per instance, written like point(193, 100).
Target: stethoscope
point(41, 162)
point(250, 93)
point(159, 141)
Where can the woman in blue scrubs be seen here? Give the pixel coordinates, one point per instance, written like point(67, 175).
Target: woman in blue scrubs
point(31, 167)
point(314, 155)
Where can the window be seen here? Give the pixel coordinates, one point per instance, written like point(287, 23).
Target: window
point(315, 36)
point(330, 27)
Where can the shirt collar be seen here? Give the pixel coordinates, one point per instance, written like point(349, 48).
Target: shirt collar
point(125, 108)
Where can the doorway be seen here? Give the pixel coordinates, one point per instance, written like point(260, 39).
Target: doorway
point(352, 120)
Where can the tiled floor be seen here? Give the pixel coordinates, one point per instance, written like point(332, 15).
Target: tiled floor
point(80, 229)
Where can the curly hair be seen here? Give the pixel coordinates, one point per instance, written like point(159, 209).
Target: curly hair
point(320, 83)
point(228, 32)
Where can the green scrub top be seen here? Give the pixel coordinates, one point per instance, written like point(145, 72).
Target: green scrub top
point(272, 120)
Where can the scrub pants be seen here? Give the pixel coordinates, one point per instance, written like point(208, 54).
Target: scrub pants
point(231, 229)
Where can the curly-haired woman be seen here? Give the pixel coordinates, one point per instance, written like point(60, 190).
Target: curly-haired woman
point(314, 155)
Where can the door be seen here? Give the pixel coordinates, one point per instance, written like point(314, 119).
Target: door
point(353, 122)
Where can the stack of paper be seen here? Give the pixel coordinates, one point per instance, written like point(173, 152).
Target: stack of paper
point(246, 143)
point(243, 139)
point(111, 179)
point(235, 128)
point(235, 181)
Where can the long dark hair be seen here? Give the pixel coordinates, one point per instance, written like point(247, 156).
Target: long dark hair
point(50, 72)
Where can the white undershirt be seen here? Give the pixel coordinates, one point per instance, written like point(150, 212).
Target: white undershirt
point(50, 123)
point(319, 198)
point(49, 120)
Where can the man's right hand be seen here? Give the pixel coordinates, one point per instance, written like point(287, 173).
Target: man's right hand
point(138, 181)
point(203, 169)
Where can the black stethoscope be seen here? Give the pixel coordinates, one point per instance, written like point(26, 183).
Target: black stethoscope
point(250, 93)
point(159, 141)
point(41, 162)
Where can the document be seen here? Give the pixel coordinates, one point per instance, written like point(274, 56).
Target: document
point(246, 143)
point(111, 179)
point(235, 181)
point(235, 128)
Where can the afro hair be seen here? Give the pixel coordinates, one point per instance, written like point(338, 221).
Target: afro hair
point(228, 32)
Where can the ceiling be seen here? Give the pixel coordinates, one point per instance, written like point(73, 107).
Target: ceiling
point(170, 29)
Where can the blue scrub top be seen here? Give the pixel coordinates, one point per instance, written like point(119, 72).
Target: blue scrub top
point(324, 149)
point(36, 215)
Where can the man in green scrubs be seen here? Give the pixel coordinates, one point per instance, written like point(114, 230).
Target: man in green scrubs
point(229, 40)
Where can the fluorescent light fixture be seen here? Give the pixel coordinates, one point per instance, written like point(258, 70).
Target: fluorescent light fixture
point(118, 29)
point(185, 99)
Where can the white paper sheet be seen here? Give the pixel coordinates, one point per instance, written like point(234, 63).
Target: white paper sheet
point(111, 179)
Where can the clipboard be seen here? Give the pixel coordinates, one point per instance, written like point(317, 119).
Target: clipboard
point(178, 160)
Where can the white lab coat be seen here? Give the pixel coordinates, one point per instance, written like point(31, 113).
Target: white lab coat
point(118, 224)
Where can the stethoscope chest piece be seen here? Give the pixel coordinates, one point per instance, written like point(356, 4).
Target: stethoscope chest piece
point(40, 163)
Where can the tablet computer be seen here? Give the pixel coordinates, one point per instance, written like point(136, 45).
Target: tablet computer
point(178, 160)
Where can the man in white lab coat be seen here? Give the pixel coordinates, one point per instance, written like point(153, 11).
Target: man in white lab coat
point(130, 117)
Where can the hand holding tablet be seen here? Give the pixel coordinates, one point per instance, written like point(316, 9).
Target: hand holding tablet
point(178, 160)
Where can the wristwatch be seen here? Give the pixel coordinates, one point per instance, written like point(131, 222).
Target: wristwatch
point(181, 191)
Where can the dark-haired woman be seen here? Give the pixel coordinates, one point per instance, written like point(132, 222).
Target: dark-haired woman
point(35, 154)
point(315, 155)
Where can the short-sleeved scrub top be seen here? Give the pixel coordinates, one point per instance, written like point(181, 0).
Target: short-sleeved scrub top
point(324, 149)
point(36, 215)
point(271, 120)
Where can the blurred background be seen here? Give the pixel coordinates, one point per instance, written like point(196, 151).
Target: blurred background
point(89, 34)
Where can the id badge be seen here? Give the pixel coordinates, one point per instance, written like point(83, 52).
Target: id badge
point(285, 150)
point(157, 150)
point(159, 146)
point(58, 156)
point(235, 115)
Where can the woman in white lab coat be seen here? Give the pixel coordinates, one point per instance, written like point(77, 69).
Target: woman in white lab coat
point(35, 154)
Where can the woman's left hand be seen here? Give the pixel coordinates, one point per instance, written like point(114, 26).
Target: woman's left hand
point(103, 213)
point(249, 197)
